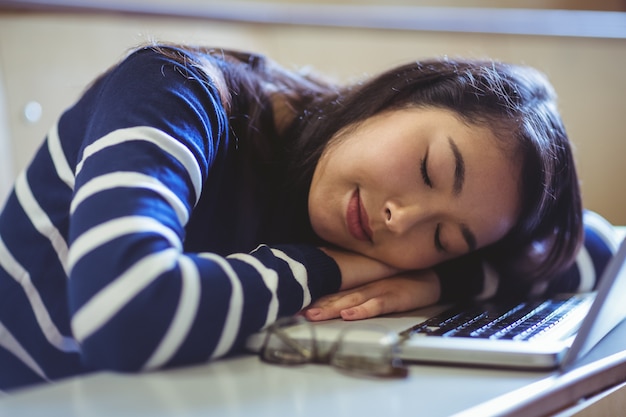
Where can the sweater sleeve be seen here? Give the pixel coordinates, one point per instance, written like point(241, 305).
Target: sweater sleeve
point(470, 278)
point(601, 243)
point(137, 299)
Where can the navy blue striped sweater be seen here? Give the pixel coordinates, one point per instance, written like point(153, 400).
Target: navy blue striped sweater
point(129, 243)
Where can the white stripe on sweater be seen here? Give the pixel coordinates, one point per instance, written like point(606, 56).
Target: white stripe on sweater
point(152, 135)
point(10, 343)
point(46, 325)
point(112, 229)
point(184, 317)
point(130, 180)
point(40, 219)
point(235, 306)
point(105, 304)
point(58, 157)
point(300, 274)
point(586, 271)
point(269, 277)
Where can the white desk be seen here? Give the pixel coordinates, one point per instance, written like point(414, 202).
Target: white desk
point(246, 387)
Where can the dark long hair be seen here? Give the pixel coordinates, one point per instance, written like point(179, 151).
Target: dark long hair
point(517, 103)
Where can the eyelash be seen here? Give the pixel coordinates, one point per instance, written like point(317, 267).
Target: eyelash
point(429, 183)
point(424, 171)
point(438, 244)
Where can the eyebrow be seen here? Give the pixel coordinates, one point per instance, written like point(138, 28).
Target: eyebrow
point(459, 180)
point(459, 168)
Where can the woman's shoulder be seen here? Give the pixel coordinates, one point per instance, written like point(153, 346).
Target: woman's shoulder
point(145, 91)
point(601, 240)
point(166, 79)
point(141, 61)
point(599, 228)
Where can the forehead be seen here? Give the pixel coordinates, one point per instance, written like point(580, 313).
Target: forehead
point(492, 192)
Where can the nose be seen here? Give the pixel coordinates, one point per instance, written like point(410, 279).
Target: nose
point(401, 218)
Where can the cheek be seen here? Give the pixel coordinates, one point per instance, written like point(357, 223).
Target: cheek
point(317, 210)
point(398, 174)
point(325, 213)
point(319, 221)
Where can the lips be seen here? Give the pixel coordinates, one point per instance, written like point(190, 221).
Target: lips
point(356, 217)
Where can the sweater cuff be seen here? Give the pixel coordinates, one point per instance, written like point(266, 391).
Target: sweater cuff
point(323, 274)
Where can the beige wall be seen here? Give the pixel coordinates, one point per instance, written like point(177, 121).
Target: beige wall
point(49, 59)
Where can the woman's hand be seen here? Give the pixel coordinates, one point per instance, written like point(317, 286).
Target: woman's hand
point(402, 292)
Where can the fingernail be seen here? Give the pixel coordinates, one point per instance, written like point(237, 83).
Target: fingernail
point(313, 312)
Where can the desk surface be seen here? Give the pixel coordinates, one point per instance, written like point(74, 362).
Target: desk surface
point(245, 386)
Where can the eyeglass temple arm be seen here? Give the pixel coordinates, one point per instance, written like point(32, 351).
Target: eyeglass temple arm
point(293, 344)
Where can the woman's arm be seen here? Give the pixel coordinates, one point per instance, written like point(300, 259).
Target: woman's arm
point(154, 134)
point(357, 270)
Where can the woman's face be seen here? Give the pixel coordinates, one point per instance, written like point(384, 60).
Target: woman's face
point(414, 187)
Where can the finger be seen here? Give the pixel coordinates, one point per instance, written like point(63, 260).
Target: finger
point(318, 314)
point(331, 307)
point(370, 308)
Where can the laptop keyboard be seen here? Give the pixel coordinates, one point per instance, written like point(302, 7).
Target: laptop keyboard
point(519, 322)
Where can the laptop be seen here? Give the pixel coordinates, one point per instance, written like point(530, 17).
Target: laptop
point(534, 335)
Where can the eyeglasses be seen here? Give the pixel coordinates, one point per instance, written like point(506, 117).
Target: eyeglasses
point(365, 350)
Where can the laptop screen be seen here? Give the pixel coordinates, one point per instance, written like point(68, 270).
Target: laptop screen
point(606, 312)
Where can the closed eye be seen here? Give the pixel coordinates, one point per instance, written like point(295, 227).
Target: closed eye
point(424, 170)
point(438, 244)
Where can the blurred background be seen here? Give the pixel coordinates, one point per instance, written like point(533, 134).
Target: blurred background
point(50, 50)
